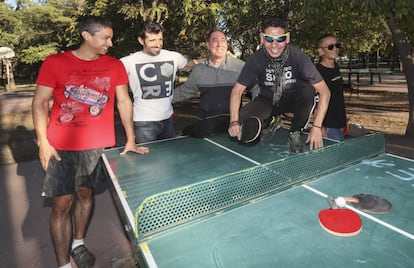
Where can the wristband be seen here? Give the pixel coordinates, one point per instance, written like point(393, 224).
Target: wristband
point(232, 123)
point(316, 126)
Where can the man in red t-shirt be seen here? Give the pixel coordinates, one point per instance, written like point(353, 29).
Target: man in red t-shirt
point(83, 84)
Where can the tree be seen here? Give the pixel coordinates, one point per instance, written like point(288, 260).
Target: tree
point(398, 14)
point(40, 29)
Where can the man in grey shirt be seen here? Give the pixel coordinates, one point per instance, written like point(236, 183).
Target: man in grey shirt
point(213, 78)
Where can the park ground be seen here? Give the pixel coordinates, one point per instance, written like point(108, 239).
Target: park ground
point(24, 232)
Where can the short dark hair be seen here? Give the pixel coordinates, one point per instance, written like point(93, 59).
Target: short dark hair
point(150, 26)
point(320, 39)
point(92, 24)
point(213, 30)
point(277, 22)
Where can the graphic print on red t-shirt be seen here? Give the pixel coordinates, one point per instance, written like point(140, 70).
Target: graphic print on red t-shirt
point(94, 99)
point(79, 97)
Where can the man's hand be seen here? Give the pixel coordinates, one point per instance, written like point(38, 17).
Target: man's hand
point(132, 147)
point(46, 151)
point(234, 130)
point(315, 138)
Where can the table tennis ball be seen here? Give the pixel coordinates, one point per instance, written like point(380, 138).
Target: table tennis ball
point(340, 202)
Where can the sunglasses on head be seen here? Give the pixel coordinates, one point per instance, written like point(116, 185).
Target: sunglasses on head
point(270, 38)
point(331, 46)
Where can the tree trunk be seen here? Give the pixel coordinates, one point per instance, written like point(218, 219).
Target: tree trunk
point(408, 67)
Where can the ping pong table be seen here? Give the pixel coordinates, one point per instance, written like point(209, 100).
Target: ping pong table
point(216, 203)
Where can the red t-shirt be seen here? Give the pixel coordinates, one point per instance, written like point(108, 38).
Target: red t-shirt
point(82, 115)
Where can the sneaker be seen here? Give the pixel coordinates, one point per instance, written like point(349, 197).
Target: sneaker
point(270, 130)
point(294, 142)
point(82, 257)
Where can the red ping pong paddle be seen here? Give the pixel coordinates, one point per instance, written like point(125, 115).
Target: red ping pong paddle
point(340, 222)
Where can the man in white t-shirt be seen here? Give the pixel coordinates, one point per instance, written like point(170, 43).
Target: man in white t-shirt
point(151, 74)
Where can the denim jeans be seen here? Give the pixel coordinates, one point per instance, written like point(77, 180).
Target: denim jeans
point(146, 131)
point(335, 134)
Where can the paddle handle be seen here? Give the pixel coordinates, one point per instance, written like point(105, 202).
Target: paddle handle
point(351, 199)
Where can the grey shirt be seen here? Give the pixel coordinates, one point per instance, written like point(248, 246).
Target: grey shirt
point(214, 84)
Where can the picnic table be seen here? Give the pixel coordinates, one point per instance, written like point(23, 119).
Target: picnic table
point(366, 72)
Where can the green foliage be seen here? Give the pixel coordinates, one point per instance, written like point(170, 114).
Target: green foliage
point(156, 11)
point(187, 30)
point(35, 54)
point(50, 25)
point(10, 25)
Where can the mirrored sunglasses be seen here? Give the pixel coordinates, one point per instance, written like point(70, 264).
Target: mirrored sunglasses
point(331, 46)
point(270, 38)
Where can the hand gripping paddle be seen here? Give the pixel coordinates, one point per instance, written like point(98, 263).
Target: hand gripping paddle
point(250, 129)
point(365, 202)
point(372, 204)
point(339, 221)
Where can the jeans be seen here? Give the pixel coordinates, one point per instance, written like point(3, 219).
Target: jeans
point(335, 134)
point(146, 131)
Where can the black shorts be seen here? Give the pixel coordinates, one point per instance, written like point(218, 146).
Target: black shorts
point(76, 169)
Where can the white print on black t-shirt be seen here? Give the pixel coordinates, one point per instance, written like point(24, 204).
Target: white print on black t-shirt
point(287, 76)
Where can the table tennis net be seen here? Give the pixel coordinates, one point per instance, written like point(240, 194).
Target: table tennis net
point(177, 206)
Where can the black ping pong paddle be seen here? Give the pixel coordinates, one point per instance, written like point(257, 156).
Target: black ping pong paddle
point(250, 129)
point(368, 203)
point(372, 204)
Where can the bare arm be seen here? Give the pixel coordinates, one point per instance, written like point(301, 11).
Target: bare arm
point(124, 105)
point(190, 64)
point(40, 113)
point(315, 135)
point(235, 101)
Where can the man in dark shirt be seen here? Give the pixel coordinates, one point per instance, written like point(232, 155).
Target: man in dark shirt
point(335, 119)
point(287, 79)
point(213, 78)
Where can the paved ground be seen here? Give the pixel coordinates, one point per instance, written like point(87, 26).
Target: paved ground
point(24, 233)
point(25, 240)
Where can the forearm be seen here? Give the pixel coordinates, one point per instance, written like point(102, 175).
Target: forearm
point(190, 65)
point(321, 112)
point(235, 100)
point(40, 114)
point(324, 97)
point(125, 110)
point(184, 92)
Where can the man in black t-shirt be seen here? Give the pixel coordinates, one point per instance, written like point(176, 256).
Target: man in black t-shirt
point(335, 119)
point(287, 79)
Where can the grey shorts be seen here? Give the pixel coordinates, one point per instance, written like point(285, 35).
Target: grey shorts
point(76, 169)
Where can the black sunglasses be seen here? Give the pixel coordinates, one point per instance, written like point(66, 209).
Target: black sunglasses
point(331, 46)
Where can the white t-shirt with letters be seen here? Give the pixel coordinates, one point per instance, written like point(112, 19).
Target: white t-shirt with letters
point(151, 80)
